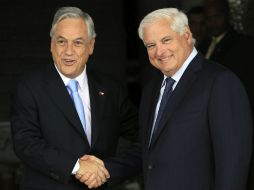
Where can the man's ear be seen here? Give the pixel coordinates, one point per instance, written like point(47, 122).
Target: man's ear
point(91, 46)
point(187, 34)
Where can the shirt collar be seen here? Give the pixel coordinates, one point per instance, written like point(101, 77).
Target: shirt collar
point(82, 78)
point(219, 38)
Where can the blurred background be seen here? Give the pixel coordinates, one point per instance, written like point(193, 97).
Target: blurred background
point(25, 44)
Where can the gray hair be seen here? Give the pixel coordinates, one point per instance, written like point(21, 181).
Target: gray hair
point(178, 20)
point(73, 12)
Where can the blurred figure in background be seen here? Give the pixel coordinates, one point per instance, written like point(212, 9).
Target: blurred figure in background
point(230, 48)
point(196, 19)
point(226, 45)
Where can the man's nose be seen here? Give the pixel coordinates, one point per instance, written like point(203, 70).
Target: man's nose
point(69, 49)
point(160, 49)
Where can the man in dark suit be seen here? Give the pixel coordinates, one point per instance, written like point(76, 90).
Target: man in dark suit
point(196, 19)
point(196, 132)
point(54, 124)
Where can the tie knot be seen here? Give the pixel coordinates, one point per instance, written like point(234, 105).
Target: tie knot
point(169, 82)
point(73, 85)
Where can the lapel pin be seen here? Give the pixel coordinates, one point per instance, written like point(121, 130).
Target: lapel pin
point(101, 93)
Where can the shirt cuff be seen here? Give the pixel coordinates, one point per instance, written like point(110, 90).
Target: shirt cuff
point(76, 168)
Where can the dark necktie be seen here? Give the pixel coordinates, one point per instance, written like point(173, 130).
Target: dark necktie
point(166, 94)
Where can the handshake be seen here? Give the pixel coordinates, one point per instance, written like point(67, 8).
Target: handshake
point(92, 171)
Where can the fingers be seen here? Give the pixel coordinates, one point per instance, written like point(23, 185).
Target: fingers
point(103, 173)
point(92, 171)
point(83, 177)
point(99, 161)
point(92, 158)
point(92, 181)
point(85, 157)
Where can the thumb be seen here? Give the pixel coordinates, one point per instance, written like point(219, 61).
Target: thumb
point(85, 157)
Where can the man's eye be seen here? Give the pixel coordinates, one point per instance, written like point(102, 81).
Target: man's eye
point(150, 46)
point(166, 41)
point(78, 43)
point(60, 42)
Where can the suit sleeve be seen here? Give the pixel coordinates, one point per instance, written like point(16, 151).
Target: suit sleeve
point(230, 124)
point(29, 143)
point(127, 162)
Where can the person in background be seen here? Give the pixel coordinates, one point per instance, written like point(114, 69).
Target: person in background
point(227, 46)
point(224, 39)
point(66, 118)
point(194, 115)
point(230, 48)
point(196, 20)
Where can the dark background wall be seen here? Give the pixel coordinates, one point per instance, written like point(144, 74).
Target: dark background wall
point(25, 44)
point(25, 41)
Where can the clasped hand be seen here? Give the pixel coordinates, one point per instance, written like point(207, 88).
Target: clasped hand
point(92, 171)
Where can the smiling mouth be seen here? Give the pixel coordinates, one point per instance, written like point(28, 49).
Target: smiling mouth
point(69, 62)
point(164, 60)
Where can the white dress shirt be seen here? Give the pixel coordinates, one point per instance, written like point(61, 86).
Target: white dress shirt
point(176, 77)
point(83, 91)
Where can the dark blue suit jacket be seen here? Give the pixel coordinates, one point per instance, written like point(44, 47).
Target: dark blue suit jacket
point(205, 140)
point(48, 135)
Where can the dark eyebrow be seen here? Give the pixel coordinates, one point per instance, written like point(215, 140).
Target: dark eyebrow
point(80, 38)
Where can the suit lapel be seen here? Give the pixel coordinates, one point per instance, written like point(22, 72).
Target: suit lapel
point(152, 93)
point(179, 93)
point(98, 96)
point(60, 96)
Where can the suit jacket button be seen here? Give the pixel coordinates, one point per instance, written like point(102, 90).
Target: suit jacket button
point(150, 167)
